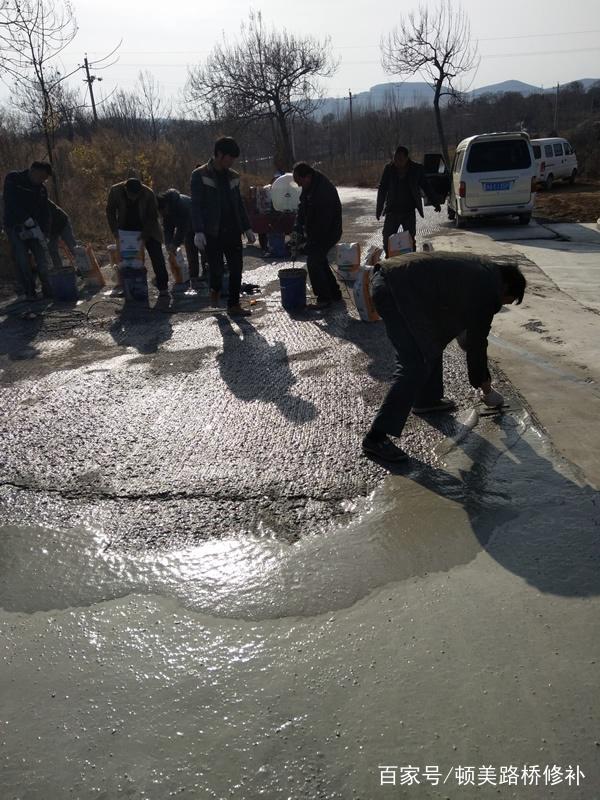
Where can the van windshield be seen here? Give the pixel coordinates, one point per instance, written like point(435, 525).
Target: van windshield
point(506, 154)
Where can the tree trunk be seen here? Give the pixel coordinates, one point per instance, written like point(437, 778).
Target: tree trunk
point(287, 153)
point(438, 122)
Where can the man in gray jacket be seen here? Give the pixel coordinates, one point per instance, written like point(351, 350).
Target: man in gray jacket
point(399, 195)
point(425, 301)
point(219, 218)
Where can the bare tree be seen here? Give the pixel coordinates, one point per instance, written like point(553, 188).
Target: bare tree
point(435, 43)
point(267, 74)
point(38, 32)
point(152, 103)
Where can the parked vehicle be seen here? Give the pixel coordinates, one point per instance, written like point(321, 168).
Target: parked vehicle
point(555, 160)
point(492, 175)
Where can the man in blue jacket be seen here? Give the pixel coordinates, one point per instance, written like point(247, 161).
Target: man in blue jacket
point(176, 211)
point(399, 195)
point(425, 301)
point(219, 218)
point(27, 224)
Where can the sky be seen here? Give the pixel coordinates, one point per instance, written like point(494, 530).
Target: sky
point(535, 42)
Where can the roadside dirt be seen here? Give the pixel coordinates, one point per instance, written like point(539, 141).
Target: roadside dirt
point(579, 202)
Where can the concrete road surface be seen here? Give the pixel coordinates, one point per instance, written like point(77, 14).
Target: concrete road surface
point(208, 592)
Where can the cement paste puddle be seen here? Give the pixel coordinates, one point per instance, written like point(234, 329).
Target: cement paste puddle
point(356, 646)
point(417, 525)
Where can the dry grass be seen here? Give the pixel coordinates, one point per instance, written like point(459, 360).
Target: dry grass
point(579, 202)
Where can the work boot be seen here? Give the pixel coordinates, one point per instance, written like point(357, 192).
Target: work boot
point(384, 449)
point(239, 311)
point(443, 404)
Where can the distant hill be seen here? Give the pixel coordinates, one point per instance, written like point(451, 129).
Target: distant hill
point(417, 93)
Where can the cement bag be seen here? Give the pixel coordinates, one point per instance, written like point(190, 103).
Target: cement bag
point(179, 267)
point(94, 277)
point(82, 261)
point(131, 250)
point(285, 193)
point(347, 260)
point(263, 199)
point(372, 256)
point(400, 243)
point(362, 295)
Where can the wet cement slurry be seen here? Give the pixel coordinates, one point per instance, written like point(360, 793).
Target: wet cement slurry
point(207, 592)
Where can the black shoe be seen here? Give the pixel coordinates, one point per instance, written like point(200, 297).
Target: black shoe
point(385, 450)
point(443, 404)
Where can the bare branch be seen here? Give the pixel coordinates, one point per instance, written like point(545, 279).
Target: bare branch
point(267, 74)
point(437, 45)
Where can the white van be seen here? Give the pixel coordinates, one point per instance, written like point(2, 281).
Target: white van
point(555, 160)
point(492, 175)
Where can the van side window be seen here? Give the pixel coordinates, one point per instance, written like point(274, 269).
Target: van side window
point(548, 150)
point(558, 151)
point(567, 147)
point(458, 160)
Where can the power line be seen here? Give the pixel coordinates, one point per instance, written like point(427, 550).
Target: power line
point(139, 64)
point(362, 45)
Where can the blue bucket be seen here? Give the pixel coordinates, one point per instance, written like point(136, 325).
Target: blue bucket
point(135, 284)
point(277, 245)
point(64, 286)
point(292, 283)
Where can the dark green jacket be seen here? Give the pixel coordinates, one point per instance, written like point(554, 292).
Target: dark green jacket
point(440, 295)
point(116, 210)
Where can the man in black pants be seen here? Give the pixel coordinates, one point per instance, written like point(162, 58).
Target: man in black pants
point(320, 221)
point(425, 301)
point(399, 195)
point(176, 211)
point(131, 206)
point(219, 218)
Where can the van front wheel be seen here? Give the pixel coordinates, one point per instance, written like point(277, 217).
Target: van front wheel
point(573, 176)
point(524, 219)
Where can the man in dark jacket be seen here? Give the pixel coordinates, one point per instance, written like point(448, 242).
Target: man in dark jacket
point(131, 206)
point(27, 224)
point(399, 195)
point(176, 211)
point(219, 218)
point(425, 301)
point(319, 219)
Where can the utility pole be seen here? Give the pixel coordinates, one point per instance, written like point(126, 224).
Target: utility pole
point(556, 111)
point(351, 126)
point(90, 80)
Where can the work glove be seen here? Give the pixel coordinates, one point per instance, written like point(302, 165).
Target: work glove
point(437, 208)
point(200, 241)
point(250, 236)
point(492, 399)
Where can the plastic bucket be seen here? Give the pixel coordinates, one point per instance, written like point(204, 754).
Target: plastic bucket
point(277, 245)
point(64, 286)
point(292, 283)
point(135, 284)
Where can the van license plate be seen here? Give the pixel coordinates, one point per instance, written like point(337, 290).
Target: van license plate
point(497, 187)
